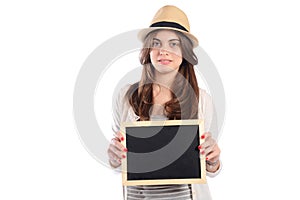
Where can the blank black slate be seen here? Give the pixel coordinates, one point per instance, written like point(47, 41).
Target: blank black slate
point(148, 139)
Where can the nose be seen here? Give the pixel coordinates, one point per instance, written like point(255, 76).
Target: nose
point(163, 51)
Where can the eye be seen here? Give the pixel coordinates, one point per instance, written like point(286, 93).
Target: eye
point(174, 44)
point(155, 44)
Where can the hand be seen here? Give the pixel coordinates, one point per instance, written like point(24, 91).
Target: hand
point(116, 151)
point(210, 149)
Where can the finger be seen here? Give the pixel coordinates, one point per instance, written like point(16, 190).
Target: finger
point(211, 147)
point(207, 146)
point(114, 160)
point(114, 163)
point(205, 135)
point(208, 142)
point(203, 142)
point(117, 144)
point(116, 153)
point(113, 156)
point(214, 154)
point(120, 136)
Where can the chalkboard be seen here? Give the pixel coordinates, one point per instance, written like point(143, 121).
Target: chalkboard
point(163, 152)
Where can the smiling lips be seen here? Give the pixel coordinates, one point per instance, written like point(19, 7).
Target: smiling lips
point(164, 61)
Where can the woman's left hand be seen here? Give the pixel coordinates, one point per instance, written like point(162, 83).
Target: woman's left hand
point(210, 149)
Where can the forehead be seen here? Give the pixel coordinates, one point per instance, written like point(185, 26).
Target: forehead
point(166, 35)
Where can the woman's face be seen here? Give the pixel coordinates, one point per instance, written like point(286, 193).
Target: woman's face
point(165, 54)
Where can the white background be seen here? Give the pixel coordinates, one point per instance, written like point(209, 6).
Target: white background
point(254, 45)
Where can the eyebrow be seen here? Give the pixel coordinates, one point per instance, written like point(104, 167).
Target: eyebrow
point(169, 40)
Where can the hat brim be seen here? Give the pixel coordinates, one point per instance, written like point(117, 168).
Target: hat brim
point(144, 32)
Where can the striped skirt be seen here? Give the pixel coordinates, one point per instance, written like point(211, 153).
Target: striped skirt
point(162, 192)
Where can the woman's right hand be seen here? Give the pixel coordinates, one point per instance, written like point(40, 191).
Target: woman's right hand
point(116, 151)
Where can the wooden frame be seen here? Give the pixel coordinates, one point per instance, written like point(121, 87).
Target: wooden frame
point(159, 181)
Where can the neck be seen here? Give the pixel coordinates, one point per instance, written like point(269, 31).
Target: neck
point(165, 79)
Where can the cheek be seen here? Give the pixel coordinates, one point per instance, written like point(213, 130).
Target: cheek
point(177, 60)
point(177, 57)
point(177, 53)
point(153, 55)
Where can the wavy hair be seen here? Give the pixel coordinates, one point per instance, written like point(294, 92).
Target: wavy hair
point(185, 91)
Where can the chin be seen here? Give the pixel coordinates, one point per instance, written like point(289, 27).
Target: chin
point(163, 68)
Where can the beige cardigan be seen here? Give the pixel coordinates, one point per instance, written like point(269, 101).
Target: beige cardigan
point(123, 112)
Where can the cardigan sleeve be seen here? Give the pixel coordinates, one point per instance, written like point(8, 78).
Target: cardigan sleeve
point(207, 112)
point(118, 107)
point(116, 113)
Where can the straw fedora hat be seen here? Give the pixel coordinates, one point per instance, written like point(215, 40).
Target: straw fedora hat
point(169, 17)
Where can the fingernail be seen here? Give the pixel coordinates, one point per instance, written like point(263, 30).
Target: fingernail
point(202, 136)
point(122, 138)
point(203, 152)
point(123, 156)
point(206, 158)
point(125, 149)
point(199, 147)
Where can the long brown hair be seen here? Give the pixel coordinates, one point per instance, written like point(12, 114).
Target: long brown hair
point(185, 91)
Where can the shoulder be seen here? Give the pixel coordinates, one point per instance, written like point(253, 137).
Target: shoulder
point(127, 90)
point(204, 96)
point(120, 94)
point(123, 94)
point(123, 91)
point(122, 106)
point(205, 102)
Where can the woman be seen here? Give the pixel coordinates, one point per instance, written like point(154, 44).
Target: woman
point(168, 90)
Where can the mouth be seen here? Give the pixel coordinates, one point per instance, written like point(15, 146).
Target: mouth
point(164, 61)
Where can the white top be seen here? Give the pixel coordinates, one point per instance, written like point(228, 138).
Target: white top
point(123, 112)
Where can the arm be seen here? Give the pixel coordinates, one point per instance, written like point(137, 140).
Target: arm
point(210, 147)
point(116, 151)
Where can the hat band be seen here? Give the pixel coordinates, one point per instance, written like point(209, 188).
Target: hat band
point(169, 25)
